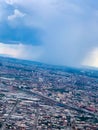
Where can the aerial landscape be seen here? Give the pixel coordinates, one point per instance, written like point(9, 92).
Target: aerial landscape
point(36, 96)
point(48, 64)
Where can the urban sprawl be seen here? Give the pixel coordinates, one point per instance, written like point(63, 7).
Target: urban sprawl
point(35, 96)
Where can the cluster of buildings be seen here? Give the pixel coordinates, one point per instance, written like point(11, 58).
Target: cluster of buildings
point(36, 96)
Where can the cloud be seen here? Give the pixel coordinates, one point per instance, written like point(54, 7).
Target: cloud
point(21, 51)
point(92, 58)
point(10, 1)
point(17, 14)
point(65, 29)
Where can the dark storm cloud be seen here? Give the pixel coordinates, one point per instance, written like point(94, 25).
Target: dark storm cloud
point(66, 30)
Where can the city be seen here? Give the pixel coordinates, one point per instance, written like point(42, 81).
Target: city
point(36, 96)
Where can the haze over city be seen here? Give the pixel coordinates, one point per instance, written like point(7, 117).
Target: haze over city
point(60, 32)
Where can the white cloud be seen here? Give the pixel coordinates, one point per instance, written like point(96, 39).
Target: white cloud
point(92, 58)
point(17, 14)
point(10, 2)
point(42, 12)
point(21, 51)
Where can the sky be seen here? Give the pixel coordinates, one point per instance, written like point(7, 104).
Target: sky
point(60, 32)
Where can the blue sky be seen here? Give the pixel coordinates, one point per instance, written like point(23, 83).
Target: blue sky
point(62, 32)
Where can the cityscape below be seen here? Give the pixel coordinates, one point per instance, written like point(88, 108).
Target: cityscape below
point(37, 96)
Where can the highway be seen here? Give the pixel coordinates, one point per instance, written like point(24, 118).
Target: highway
point(61, 104)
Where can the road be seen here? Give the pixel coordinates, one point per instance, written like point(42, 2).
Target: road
point(61, 104)
point(36, 119)
point(9, 115)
